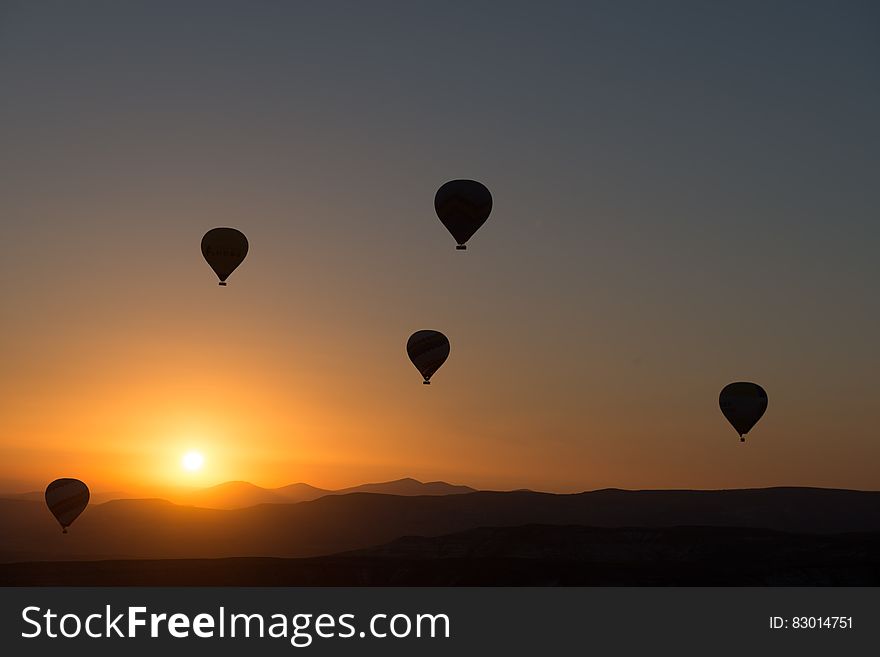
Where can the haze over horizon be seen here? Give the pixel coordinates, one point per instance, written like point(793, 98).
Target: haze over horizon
point(173, 493)
point(18, 487)
point(685, 195)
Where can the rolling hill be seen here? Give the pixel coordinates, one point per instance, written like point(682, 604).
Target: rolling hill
point(531, 555)
point(157, 529)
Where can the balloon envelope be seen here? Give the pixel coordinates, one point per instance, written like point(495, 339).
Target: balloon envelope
point(224, 249)
point(743, 404)
point(66, 499)
point(463, 206)
point(427, 350)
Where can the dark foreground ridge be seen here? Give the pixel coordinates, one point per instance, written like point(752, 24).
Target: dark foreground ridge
point(156, 529)
point(532, 555)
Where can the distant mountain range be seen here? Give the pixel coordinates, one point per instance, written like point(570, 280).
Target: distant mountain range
point(242, 494)
point(158, 529)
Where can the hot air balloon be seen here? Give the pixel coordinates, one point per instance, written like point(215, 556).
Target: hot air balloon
point(427, 350)
point(743, 404)
point(224, 249)
point(66, 499)
point(463, 206)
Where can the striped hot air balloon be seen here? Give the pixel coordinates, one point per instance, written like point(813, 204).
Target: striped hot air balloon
point(427, 350)
point(463, 206)
point(743, 403)
point(66, 499)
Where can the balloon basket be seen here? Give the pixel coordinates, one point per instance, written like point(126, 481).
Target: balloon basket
point(426, 383)
point(461, 247)
point(742, 439)
point(222, 283)
point(64, 530)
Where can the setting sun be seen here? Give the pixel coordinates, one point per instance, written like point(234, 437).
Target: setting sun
point(192, 461)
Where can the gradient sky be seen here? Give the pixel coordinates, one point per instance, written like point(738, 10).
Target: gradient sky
point(686, 194)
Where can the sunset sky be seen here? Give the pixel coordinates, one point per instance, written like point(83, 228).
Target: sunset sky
point(685, 194)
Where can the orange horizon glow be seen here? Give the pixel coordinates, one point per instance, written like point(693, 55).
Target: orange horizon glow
point(126, 399)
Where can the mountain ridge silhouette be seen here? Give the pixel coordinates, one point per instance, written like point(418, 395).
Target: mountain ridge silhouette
point(238, 494)
point(159, 529)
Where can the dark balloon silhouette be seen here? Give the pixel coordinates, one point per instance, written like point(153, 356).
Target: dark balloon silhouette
point(463, 206)
point(66, 499)
point(427, 350)
point(743, 404)
point(224, 249)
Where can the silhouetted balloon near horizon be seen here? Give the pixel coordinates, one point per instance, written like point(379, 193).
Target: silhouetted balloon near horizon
point(66, 499)
point(463, 206)
point(743, 404)
point(427, 350)
point(224, 249)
